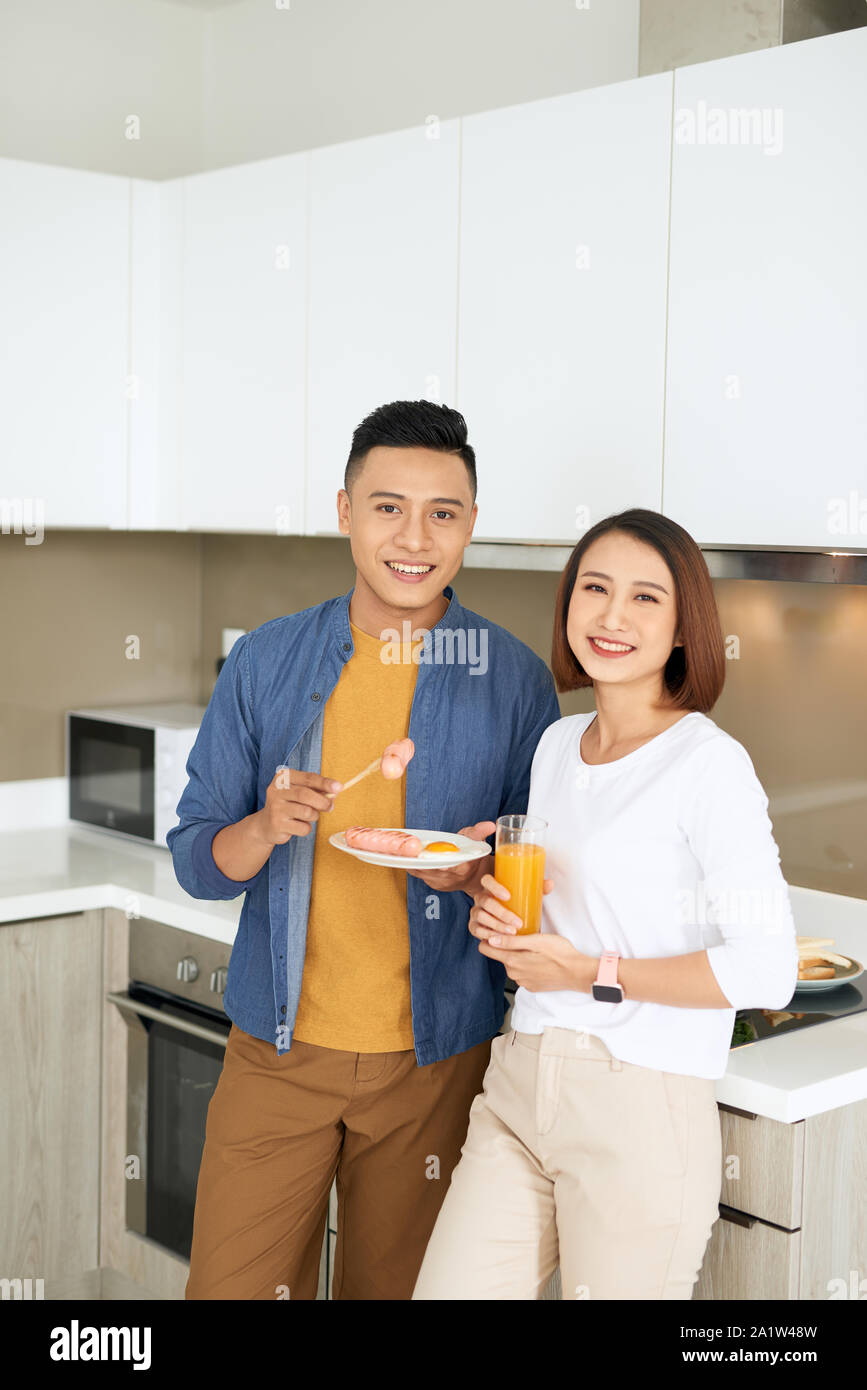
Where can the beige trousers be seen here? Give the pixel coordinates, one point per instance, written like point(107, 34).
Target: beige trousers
point(610, 1170)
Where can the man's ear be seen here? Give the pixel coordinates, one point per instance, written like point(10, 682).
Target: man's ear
point(473, 514)
point(344, 512)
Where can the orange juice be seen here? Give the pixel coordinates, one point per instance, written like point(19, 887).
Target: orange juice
point(521, 869)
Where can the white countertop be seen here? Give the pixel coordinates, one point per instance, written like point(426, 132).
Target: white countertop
point(66, 868)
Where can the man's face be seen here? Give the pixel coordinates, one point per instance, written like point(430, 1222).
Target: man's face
point(409, 519)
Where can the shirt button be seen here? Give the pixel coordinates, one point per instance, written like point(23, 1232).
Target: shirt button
point(315, 695)
point(282, 1008)
point(347, 646)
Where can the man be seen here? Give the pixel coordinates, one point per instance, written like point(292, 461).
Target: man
point(362, 1009)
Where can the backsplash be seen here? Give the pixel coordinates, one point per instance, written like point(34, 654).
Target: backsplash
point(93, 617)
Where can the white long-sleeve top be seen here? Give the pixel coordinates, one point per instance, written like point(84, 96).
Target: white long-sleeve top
point(663, 852)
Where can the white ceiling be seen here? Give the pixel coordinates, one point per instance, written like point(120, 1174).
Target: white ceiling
point(203, 84)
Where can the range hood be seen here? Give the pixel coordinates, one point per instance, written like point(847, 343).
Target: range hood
point(793, 566)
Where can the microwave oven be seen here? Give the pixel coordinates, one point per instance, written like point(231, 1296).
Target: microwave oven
point(126, 767)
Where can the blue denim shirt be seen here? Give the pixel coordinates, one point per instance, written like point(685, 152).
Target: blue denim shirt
point(475, 731)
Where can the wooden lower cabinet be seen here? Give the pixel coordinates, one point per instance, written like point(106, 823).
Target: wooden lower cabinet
point(762, 1166)
point(50, 1040)
point(750, 1259)
point(799, 1230)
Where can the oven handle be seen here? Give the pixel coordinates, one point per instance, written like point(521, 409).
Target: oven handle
point(134, 1006)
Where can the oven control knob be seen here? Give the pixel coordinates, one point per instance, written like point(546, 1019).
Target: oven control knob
point(218, 979)
point(188, 969)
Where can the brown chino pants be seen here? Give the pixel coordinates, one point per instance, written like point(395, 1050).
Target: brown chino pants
point(278, 1130)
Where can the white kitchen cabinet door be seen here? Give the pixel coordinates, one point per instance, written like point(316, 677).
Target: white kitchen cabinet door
point(155, 372)
point(383, 290)
point(766, 407)
point(64, 290)
point(564, 221)
point(242, 347)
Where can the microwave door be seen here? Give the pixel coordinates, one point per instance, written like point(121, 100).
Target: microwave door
point(111, 775)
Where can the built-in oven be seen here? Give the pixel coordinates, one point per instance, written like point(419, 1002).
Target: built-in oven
point(178, 1028)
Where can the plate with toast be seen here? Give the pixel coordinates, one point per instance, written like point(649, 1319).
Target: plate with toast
point(820, 967)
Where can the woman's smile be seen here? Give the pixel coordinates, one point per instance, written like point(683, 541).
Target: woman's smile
point(603, 646)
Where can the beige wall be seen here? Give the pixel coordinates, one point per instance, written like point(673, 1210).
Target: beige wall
point(67, 610)
point(677, 32)
point(794, 696)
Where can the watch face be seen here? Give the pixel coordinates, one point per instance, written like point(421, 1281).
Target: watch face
point(608, 994)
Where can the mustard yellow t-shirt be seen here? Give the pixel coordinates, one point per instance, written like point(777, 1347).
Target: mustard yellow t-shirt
point(355, 989)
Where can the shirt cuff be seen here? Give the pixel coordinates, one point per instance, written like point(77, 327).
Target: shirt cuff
point(205, 867)
point(747, 985)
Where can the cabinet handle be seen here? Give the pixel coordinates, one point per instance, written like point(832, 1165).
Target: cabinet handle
point(733, 1110)
point(737, 1218)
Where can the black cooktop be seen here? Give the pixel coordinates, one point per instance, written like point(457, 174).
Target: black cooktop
point(803, 1010)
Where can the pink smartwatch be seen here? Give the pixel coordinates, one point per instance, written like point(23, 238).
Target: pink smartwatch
point(605, 986)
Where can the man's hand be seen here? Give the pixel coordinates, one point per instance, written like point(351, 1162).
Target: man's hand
point(294, 801)
point(463, 876)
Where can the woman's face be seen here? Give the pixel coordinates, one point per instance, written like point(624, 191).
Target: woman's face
point(623, 598)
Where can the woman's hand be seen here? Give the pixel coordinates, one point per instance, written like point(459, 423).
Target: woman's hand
point(490, 914)
point(537, 961)
point(544, 961)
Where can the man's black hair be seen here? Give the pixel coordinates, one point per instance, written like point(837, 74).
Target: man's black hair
point(411, 425)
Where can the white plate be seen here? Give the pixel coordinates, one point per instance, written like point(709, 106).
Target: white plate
point(467, 850)
point(843, 975)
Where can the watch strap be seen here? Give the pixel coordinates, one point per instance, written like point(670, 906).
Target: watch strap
point(607, 972)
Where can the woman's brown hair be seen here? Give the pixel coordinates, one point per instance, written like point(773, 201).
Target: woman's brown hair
point(695, 672)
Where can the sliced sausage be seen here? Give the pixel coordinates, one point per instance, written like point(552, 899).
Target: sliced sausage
point(396, 757)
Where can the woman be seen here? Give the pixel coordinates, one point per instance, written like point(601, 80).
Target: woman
point(595, 1143)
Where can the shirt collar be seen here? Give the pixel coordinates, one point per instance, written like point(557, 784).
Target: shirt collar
point(453, 617)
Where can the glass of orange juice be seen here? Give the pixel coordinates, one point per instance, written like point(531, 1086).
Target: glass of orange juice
point(519, 864)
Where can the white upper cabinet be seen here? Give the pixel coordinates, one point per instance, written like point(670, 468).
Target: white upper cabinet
point(564, 221)
point(766, 414)
point(383, 288)
point(242, 347)
point(64, 290)
point(155, 377)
